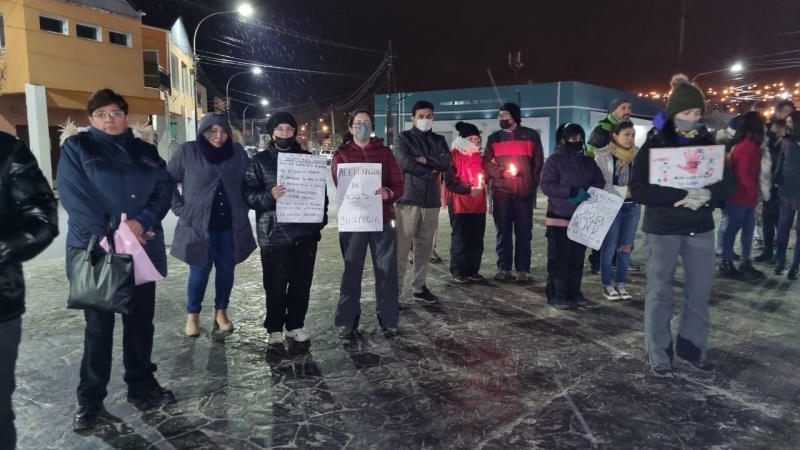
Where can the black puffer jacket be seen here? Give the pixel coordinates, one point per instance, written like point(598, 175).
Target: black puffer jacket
point(261, 177)
point(28, 220)
point(423, 181)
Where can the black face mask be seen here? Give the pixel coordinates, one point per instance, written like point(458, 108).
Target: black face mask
point(576, 147)
point(505, 124)
point(285, 143)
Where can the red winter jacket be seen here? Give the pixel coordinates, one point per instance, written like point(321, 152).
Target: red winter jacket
point(460, 179)
point(745, 159)
point(374, 152)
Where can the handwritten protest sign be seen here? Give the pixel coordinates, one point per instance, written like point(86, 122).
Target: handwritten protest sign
point(303, 176)
point(593, 218)
point(360, 209)
point(687, 167)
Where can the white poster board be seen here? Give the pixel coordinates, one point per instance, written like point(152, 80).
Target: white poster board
point(304, 177)
point(687, 167)
point(360, 209)
point(593, 218)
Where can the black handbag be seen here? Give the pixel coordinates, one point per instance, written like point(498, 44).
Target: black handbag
point(102, 282)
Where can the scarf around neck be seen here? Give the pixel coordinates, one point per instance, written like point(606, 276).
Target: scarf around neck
point(624, 157)
point(212, 154)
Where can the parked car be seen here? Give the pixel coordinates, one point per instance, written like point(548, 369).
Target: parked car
point(328, 154)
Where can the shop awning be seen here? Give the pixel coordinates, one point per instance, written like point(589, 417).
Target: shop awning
point(66, 99)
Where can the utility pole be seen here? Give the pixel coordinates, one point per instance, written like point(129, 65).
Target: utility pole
point(333, 121)
point(515, 63)
point(684, 11)
point(389, 121)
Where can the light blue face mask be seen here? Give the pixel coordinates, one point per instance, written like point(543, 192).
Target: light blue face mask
point(363, 131)
point(686, 125)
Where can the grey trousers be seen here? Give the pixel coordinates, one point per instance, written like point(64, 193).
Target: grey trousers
point(697, 255)
point(419, 225)
point(10, 334)
point(384, 263)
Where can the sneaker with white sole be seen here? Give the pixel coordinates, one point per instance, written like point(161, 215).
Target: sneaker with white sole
point(503, 275)
point(299, 335)
point(623, 293)
point(276, 338)
point(611, 293)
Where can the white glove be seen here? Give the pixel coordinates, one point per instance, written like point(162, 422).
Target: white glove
point(695, 199)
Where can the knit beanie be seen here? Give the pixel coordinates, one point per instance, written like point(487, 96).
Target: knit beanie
point(279, 118)
point(617, 102)
point(513, 109)
point(467, 129)
point(684, 95)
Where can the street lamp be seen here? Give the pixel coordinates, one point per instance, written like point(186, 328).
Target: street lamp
point(255, 71)
point(736, 68)
point(244, 10)
point(264, 102)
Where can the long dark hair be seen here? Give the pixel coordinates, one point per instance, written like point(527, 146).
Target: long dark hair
point(751, 126)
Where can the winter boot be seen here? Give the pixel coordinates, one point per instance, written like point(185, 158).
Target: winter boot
point(221, 318)
point(192, 325)
point(750, 273)
point(728, 270)
point(766, 255)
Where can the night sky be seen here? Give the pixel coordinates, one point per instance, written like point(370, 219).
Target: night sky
point(441, 44)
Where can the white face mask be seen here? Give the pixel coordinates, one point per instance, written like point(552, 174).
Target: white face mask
point(423, 124)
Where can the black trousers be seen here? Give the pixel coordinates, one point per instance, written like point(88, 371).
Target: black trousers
point(769, 224)
point(10, 334)
point(466, 242)
point(287, 273)
point(137, 349)
point(564, 266)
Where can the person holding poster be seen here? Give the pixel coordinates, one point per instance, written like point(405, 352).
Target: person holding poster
point(566, 177)
point(466, 203)
point(678, 223)
point(288, 250)
point(616, 163)
point(366, 149)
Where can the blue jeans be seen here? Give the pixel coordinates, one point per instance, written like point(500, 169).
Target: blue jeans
point(220, 255)
point(621, 233)
point(513, 218)
point(785, 219)
point(739, 218)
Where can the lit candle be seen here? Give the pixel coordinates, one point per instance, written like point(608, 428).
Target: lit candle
point(480, 180)
point(512, 169)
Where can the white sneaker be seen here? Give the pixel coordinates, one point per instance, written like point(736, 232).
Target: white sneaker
point(299, 335)
point(275, 338)
point(623, 294)
point(611, 293)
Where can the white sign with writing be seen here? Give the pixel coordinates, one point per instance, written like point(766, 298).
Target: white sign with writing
point(593, 218)
point(304, 177)
point(360, 209)
point(687, 167)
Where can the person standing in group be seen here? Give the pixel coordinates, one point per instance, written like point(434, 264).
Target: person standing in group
point(288, 250)
point(466, 203)
point(787, 178)
point(745, 162)
point(725, 137)
point(678, 223)
point(104, 172)
point(616, 163)
point(422, 156)
point(363, 148)
point(213, 225)
point(566, 178)
point(28, 224)
point(513, 161)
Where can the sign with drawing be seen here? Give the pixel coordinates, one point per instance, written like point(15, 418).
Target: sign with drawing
point(593, 218)
point(687, 167)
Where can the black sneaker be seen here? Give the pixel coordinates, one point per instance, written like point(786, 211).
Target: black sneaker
point(728, 270)
point(750, 273)
point(347, 333)
point(477, 278)
point(765, 256)
point(701, 365)
point(580, 300)
point(594, 269)
point(156, 397)
point(86, 417)
point(461, 279)
point(426, 297)
point(390, 332)
point(662, 370)
point(792, 275)
point(561, 304)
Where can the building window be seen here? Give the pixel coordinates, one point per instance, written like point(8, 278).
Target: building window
point(174, 74)
point(85, 31)
point(117, 38)
point(2, 32)
point(53, 24)
point(151, 73)
point(185, 77)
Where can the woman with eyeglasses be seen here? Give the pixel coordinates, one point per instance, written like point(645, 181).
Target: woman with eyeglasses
point(213, 228)
point(288, 250)
point(364, 148)
point(466, 205)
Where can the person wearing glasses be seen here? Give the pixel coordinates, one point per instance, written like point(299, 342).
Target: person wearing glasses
point(213, 228)
point(466, 205)
point(106, 171)
point(288, 250)
point(364, 148)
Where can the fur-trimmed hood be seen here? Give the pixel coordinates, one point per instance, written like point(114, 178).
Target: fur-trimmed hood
point(145, 132)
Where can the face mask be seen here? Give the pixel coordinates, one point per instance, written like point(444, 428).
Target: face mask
point(362, 132)
point(686, 125)
point(465, 146)
point(284, 143)
point(576, 147)
point(505, 124)
point(423, 124)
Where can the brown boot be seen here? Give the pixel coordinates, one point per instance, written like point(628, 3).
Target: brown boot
point(192, 325)
point(221, 318)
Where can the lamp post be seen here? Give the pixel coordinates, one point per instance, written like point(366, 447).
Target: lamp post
point(244, 10)
point(736, 68)
point(264, 102)
point(255, 71)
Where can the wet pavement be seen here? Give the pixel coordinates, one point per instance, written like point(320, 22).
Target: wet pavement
point(491, 367)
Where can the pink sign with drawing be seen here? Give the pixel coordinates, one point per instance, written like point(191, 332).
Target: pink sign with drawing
point(687, 167)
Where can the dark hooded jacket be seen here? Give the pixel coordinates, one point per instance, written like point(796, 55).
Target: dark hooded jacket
point(28, 220)
point(563, 175)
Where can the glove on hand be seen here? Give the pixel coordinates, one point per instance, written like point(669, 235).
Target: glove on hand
point(579, 198)
point(695, 199)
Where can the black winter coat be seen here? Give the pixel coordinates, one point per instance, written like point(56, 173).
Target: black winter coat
point(28, 220)
point(423, 181)
point(260, 178)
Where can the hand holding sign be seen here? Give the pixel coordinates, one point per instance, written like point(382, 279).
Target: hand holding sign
point(383, 192)
point(278, 191)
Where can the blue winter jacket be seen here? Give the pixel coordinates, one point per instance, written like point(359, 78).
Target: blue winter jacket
point(101, 174)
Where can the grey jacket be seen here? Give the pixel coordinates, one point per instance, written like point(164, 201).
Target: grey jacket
point(605, 161)
point(192, 204)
